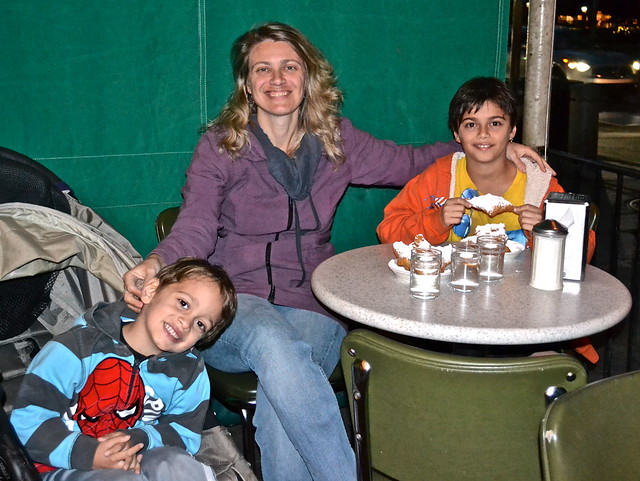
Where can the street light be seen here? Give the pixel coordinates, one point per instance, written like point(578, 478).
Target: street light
point(584, 9)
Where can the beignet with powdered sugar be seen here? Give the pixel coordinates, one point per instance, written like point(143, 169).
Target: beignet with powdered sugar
point(491, 204)
point(402, 252)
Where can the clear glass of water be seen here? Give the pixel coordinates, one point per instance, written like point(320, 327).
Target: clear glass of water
point(465, 268)
point(491, 250)
point(424, 280)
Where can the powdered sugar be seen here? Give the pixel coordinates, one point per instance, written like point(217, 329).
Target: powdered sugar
point(491, 204)
point(491, 229)
point(402, 251)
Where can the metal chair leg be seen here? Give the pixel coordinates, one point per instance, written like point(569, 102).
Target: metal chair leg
point(360, 381)
point(249, 446)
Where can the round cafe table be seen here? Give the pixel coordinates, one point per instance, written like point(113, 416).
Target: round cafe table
point(359, 285)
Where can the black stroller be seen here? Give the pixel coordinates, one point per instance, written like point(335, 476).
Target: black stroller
point(57, 258)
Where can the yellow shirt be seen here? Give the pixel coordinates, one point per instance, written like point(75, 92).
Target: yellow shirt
point(514, 194)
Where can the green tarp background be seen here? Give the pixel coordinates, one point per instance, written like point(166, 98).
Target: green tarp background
point(111, 95)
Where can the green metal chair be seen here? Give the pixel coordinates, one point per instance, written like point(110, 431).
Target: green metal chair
point(425, 415)
point(593, 433)
point(235, 392)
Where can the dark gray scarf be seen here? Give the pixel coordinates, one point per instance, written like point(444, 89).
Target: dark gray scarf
point(295, 175)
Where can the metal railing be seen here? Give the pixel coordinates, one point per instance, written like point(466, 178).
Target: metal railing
point(615, 188)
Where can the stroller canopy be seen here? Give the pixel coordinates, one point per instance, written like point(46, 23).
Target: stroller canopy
point(82, 259)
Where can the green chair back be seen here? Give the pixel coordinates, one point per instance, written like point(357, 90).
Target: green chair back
point(593, 433)
point(165, 221)
point(427, 415)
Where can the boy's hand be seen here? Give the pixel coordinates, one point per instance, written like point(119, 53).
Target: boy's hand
point(135, 463)
point(123, 451)
point(115, 452)
point(528, 216)
point(452, 211)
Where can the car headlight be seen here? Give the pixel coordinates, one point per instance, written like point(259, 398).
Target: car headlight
point(576, 65)
point(635, 66)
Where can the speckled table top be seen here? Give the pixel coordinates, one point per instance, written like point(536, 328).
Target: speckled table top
point(359, 285)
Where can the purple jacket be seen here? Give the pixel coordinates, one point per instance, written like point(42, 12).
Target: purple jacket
point(236, 215)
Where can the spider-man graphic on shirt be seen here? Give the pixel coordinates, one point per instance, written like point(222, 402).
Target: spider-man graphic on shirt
point(111, 399)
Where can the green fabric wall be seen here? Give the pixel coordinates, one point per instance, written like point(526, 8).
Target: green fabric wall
point(111, 95)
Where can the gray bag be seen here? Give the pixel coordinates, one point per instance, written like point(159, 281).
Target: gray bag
point(220, 452)
point(87, 257)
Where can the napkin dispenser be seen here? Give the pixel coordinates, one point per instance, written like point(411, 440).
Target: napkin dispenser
point(572, 211)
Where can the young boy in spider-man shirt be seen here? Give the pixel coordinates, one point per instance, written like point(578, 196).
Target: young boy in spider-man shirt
point(122, 396)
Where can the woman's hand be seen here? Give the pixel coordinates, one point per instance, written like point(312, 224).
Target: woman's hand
point(135, 279)
point(517, 152)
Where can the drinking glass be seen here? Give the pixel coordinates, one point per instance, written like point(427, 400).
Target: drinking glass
point(465, 268)
point(424, 280)
point(491, 250)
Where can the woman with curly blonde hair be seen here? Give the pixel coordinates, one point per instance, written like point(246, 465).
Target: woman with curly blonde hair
point(319, 111)
point(260, 198)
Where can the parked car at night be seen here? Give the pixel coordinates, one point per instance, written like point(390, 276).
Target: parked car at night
point(576, 58)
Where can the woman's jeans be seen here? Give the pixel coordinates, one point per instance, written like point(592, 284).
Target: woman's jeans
point(299, 427)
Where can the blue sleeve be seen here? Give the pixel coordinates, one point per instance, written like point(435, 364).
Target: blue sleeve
point(40, 412)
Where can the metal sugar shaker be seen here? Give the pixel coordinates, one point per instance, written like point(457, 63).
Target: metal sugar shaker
point(547, 259)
